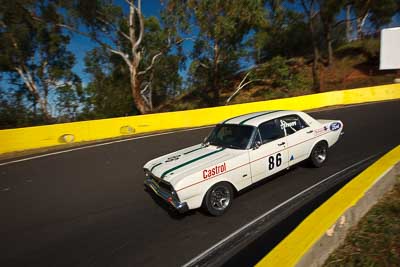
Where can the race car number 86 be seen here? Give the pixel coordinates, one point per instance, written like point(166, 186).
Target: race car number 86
point(274, 161)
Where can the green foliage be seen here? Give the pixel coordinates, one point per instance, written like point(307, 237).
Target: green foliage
point(34, 53)
point(109, 93)
point(370, 48)
point(15, 111)
point(165, 79)
point(381, 11)
point(221, 27)
point(280, 73)
point(287, 35)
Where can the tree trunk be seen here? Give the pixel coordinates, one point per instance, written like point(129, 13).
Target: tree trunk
point(348, 23)
point(359, 28)
point(360, 24)
point(30, 84)
point(43, 107)
point(315, 67)
point(216, 88)
point(329, 44)
point(142, 107)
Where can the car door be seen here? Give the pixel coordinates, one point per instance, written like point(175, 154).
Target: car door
point(269, 154)
point(299, 137)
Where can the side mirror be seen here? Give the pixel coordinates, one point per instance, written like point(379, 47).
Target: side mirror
point(257, 144)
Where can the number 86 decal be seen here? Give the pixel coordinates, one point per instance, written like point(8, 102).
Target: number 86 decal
point(274, 161)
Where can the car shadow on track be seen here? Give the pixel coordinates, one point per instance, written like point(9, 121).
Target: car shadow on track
point(174, 214)
point(269, 179)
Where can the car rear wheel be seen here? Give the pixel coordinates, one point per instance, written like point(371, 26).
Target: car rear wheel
point(319, 154)
point(218, 199)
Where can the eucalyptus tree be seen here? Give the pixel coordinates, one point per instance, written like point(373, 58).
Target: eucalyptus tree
point(379, 13)
point(120, 29)
point(109, 93)
point(220, 28)
point(35, 53)
point(311, 11)
point(329, 10)
point(283, 33)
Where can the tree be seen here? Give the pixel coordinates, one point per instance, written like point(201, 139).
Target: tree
point(311, 11)
point(379, 12)
point(382, 12)
point(361, 10)
point(285, 34)
point(120, 33)
point(35, 52)
point(108, 93)
point(14, 112)
point(221, 27)
point(329, 9)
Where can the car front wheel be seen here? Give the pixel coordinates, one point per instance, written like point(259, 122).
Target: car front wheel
point(319, 154)
point(218, 199)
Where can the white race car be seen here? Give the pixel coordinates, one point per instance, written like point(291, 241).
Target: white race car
point(237, 153)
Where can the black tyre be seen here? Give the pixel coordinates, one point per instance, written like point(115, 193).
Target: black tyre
point(319, 154)
point(218, 199)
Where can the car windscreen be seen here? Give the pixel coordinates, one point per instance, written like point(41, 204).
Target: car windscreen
point(231, 136)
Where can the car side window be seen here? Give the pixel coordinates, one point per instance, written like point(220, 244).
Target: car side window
point(271, 131)
point(292, 124)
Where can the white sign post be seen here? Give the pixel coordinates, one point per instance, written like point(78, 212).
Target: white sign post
point(390, 50)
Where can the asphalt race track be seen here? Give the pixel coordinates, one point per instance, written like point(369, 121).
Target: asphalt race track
point(89, 208)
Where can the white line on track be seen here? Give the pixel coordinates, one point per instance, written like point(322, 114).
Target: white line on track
point(100, 144)
point(214, 247)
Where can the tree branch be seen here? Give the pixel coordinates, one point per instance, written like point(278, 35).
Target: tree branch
point(343, 21)
point(153, 60)
point(141, 29)
point(241, 85)
point(132, 32)
point(204, 65)
point(124, 56)
point(107, 22)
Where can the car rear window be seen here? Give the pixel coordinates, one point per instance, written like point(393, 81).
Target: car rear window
point(292, 124)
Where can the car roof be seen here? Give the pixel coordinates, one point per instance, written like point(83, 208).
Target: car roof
point(256, 118)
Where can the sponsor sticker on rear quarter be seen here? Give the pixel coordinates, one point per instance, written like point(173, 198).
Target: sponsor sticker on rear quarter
point(335, 126)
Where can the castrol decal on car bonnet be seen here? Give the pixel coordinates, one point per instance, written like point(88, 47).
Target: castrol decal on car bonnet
point(208, 173)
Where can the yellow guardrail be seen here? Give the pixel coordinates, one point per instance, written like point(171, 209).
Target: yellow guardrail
point(291, 250)
point(51, 135)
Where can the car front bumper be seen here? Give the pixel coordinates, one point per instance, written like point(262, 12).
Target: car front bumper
point(167, 196)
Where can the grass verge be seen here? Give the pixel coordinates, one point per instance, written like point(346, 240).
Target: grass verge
point(375, 241)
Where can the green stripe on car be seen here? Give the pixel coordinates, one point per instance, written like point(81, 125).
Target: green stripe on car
point(193, 150)
point(190, 161)
point(259, 115)
point(158, 164)
point(225, 121)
